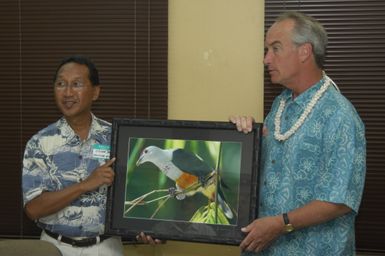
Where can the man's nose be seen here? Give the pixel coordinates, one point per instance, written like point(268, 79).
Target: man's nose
point(68, 90)
point(267, 58)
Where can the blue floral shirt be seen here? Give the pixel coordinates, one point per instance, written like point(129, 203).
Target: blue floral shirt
point(55, 158)
point(325, 159)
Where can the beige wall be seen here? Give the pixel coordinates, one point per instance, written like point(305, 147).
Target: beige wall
point(215, 70)
point(215, 58)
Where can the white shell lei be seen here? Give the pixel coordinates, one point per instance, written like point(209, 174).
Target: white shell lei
point(277, 120)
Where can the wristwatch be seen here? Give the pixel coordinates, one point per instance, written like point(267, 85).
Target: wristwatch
point(288, 226)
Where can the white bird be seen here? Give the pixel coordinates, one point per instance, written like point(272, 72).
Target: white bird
point(190, 173)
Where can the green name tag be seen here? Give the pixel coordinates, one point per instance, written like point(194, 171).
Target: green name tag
point(100, 151)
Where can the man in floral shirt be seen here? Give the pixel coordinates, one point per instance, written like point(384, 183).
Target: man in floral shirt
point(66, 167)
point(313, 151)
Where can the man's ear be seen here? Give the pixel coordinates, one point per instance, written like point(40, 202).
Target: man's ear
point(96, 92)
point(306, 51)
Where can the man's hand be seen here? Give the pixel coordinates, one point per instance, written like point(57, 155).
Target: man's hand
point(103, 175)
point(244, 123)
point(148, 239)
point(261, 232)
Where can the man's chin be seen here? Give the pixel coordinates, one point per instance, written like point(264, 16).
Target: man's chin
point(68, 112)
point(274, 80)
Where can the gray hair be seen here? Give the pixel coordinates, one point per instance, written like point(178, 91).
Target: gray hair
point(308, 30)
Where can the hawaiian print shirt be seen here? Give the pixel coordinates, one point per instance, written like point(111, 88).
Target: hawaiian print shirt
point(325, 159)
point(55, 158)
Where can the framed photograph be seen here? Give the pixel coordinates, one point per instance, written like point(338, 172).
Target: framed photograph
point(183, 180)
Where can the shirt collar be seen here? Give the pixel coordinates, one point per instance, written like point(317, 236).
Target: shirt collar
point(69, 133)
point(97, 130)
point(304, 98)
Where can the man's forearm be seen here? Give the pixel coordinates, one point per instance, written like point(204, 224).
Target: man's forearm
point(50, 202)
point(316, 212)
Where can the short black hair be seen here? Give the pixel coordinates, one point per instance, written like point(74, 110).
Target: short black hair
point(93, 73)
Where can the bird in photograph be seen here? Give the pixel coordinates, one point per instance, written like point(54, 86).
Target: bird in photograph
point(190, 173)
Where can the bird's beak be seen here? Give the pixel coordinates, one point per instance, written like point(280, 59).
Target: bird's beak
point(139, 162)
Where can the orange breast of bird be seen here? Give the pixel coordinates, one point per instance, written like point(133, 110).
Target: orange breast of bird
point(186, 180)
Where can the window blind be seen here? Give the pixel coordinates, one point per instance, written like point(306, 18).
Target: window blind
point(126, 39)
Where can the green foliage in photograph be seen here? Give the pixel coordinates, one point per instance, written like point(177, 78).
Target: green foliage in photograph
point(151, 194)
point(210, 214)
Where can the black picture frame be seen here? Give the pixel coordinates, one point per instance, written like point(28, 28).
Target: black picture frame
point(144, 199)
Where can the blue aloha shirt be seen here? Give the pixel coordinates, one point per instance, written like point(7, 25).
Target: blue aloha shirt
point(55, 158)
point(324, 160)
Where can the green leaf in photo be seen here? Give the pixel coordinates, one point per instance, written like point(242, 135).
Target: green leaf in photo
point(210, 214)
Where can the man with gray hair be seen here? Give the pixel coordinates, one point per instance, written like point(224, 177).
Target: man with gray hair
point(313, 151)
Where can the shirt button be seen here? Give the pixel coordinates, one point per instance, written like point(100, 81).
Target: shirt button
point(273, 161)
point(80, 157)
point(264, 183)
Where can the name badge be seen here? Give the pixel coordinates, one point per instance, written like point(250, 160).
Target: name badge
point(100, 151)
